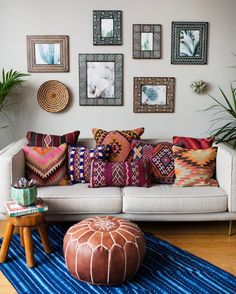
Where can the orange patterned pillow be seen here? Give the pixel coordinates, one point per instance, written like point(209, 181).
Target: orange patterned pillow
point(194, 167)
point(119, 141)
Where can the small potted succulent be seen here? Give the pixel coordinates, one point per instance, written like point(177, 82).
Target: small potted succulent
point(24, 192)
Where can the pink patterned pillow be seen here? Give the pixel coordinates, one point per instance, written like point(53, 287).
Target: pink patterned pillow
point(46, 165)
point(120, 174)
point(193, 143)
point(80, 159)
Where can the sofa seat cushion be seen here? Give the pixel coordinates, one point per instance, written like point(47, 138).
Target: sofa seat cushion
point(79, 199)
point(171, 199)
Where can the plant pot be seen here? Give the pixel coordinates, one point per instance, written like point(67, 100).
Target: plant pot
point(24, 197)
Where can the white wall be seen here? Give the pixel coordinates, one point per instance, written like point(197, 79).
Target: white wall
point(74, 18)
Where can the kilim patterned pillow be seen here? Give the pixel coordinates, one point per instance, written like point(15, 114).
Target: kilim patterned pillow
point(46, 165)
point(120, 174)
point(80, 161)
point(119, 140)
point(161, 157)
point(193, 143)
point(194, 167)
point(45, 140)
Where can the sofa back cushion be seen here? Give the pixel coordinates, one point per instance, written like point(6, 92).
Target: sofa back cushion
point(46, 140)
point(80, 161)
point(46, 165)
point(161, 157)
point(136, 173)
point(194, 167)
point(119, 141)
point(193, 143)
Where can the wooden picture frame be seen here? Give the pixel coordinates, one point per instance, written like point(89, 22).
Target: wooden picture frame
point(48, 53)
point(154, 94)
point(189, 41)
point(107, 27)
point(101, 79)
point(146, 41)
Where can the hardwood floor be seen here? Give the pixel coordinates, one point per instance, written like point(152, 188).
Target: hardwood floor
point(208, 240)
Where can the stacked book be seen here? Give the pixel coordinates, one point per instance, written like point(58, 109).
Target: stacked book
point(14, 209)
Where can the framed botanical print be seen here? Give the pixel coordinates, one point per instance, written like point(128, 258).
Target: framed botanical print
point(107, 27)
point(101, 79)
point(48, 53)
point(146, 41)
point(154, 94)
point(189, 42)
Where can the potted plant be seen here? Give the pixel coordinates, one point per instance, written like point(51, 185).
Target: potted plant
point(9, 81)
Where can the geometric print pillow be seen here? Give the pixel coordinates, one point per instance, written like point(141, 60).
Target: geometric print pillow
point(46, 165)
point(161, 157)
point(120, 174)
point(119, 141)
point(80, 160)
point(194, 167)
point(46, 140)
point(193, 143)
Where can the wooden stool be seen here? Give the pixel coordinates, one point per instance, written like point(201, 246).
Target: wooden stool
point(25, 223)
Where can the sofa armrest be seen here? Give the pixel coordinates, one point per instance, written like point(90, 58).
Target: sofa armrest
point(226, 172)
point(12, 167)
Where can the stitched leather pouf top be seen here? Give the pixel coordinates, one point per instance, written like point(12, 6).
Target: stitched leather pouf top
point(104, 250)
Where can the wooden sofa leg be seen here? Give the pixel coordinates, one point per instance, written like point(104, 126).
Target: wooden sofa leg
point(230, 227)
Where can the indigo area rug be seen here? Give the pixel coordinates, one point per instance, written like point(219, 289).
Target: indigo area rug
point(166, 269)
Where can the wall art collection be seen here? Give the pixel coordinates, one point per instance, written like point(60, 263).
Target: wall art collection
point(101, 75)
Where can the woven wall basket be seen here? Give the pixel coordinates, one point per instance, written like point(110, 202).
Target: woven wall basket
point(53, 96)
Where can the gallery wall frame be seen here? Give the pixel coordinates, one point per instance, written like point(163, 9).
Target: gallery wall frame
point(101, 79)
point(189, 42)
point(154, 94)
point(107, 27)
point(47, 53)
point(146, 41)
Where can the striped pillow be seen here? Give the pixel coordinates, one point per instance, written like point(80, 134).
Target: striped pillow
point(45, 140)
point(193, 143)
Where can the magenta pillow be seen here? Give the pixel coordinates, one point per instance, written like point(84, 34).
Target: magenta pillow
point(46, 140)
point(80, 159)
point(193, 143)
point(120, 174)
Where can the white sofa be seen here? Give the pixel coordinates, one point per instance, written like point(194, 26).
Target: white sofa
point(158, 203)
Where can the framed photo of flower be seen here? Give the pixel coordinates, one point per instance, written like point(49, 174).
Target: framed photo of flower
point(189, 42)
point(154, 94)
point(101, 79)
point(146, 41)
point(107, 27)
point(48, 53)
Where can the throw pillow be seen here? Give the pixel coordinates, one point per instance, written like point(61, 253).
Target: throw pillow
point(194, 167)
point(193, 143)
point(161, 157)
point(46, 165)
point(136, 173)
point(45, 140)
point(119, 141)
point(80, 160)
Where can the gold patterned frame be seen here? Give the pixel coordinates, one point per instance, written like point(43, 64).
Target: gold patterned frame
point(139, 82)
point(62, 40)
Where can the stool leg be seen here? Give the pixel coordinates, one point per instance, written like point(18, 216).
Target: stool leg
point(44, 238)
point(28, 247)
point(21, 237)
point(6, 242)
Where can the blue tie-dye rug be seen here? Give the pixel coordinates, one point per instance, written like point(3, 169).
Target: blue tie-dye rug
point(166, 269)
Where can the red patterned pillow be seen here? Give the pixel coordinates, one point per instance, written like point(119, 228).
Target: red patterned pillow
point(119, 140)
point(161, 157)
point(193, 143)
point(80, 161)
point(119, 174)
point(46, 165)
point(45, 140)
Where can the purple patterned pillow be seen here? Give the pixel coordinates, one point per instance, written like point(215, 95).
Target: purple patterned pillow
point(120, 174)
point(80, 160)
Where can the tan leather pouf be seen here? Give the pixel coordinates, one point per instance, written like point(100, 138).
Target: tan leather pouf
point(104, 250)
